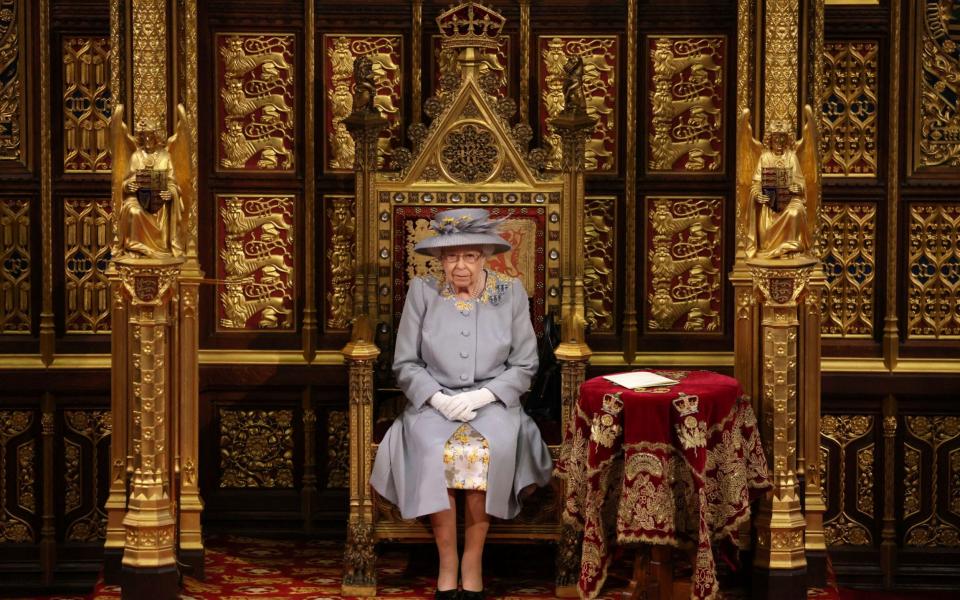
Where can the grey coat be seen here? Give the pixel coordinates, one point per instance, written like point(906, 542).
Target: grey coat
point(441, 347)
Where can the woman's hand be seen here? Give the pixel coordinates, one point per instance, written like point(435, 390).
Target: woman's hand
point(476, 399)
point(453, 408)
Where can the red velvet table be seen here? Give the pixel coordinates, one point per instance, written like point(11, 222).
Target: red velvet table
point(676, 466)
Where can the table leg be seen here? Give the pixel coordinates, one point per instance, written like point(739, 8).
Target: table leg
point(652, 574)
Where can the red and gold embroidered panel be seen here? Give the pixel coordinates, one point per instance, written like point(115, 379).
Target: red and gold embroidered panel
point(256, 102)
point(684, 264)
point(686, 102)
point(600, 60)
point(255, 262)
point(339, 52)
point(498, 61)
point(87, 104)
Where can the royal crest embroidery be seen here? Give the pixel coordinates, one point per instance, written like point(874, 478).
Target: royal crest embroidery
point(606, 427)
point(691, 432)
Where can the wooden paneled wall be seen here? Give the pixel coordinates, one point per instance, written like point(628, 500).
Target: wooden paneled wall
point(276, 229)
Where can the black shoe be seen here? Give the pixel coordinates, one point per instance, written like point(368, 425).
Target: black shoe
point(453, 594)
point(468, 595)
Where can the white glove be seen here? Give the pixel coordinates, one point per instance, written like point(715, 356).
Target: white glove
point(476, 399)
point(452, 408)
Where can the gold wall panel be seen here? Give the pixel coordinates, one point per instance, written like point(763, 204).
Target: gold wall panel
point(87, 104)
point(256, 448)
point(86, 441)
point(781, 37)
point(341, 256)
point(14, 528)
point(15, 266)
point(600, 267)
point(933, 434)
point(684, 264)
point(601, 55)
point(338, 449)
point(13, 64)
point(933, 264)
point(837, 433)
point(848, 236)
point(849, 108)
point(148, 53)
point(87, 232)
point(937, 86)
point(257, 101)
point(339, 52)
point(494, 61)
point(686, 81)
point(255, 262)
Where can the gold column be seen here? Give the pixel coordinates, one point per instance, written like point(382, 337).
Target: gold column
point(189, 504)
point(780, 524)
point(359, 574)
point(781, 81)
point(116, 504)
point(149, 562)
point(630, 190)
point(891, 335)
point(815, 543)
point(573, 125)
point(525, 61)
point(149, 63)
point(416, 60)
point(310, 190)
point(47, 331)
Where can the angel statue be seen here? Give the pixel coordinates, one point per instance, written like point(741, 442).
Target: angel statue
point(777, 189)
point(151, 188)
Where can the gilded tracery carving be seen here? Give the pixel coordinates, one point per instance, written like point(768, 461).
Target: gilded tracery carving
point(938, 85)
point(848, 238)
point(256, 448)
point(88, 231)
point(15, 265)
point(843, 430)
point(85, 429)
point(935, 530)
point(849, 108)
point(256, 262)
point(686, 104)
point(933, 266)
point(600, 56)
point(257, 101)
point(14, 423)
point(12, 88)
point(87, 104)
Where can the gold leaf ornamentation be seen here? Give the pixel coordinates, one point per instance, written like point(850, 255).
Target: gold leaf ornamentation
point(848, 237)
point(15, 266)
point(934, 271)
point(849, 108)
point(88, 230)
point(256, 448)
point(87, 104)
point(599, 273)
point(937, 126)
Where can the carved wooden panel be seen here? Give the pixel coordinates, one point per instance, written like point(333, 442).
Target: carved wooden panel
point(936, 87)
point(338, 449)
point(601, 55)
point(18, 477)
point(256, 105)
point(86, 460)
point(686, 104)
point(849, 108)
point(930, 496)
point(15, 266)
point(684, 264)
point(13, 65)
point(600, 268)
point(256, 448)
point(340, 257)
point(847, 453)
point(848, 236)
point(386, 54)
point(255, 262)
point(933, 263)
point(87, 104)
point(87, 231)
point(495, 61)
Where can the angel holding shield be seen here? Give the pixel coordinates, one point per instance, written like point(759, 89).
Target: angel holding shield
point(148, 189)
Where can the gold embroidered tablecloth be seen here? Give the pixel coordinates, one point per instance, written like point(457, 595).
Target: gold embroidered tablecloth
point(674, 465)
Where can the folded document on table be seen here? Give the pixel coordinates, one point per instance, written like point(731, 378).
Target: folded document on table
point(639, 379)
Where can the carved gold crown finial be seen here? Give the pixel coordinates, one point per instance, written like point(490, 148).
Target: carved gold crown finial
point(470, 25)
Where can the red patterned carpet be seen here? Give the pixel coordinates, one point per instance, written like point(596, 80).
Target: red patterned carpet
point(241, 568)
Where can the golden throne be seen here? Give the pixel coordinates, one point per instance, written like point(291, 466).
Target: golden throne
point(469, 155)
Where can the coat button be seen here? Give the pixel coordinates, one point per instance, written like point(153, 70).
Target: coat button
point(463, 377)
point(464, 355)
point(465, 333)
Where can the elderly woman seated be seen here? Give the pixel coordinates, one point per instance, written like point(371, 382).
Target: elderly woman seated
point(464, 354)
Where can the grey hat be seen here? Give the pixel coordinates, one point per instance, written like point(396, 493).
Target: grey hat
point(463, 227)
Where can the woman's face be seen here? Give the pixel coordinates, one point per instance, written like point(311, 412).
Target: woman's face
point(462, 265)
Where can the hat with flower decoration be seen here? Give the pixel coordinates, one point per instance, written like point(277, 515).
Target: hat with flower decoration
point(463, 227)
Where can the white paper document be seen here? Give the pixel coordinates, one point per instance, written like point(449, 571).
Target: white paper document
point(640, 379)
